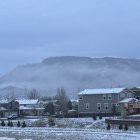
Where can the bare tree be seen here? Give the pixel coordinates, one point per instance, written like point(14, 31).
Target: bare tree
point(33, 94)
point(26, 92)
point(62, 100)
point(10, 94)
point(46, 98)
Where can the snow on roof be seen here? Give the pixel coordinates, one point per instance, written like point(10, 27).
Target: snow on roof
point(74, 100)
point(24, 108)
point(31, 108)
point(2, 108)
point(3, 101)
point(5, 138)
point(101, 91)
point(138, 101)
point(27, 101)
point(127, 100)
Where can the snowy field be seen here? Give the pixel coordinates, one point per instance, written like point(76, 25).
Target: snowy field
point(68, 129)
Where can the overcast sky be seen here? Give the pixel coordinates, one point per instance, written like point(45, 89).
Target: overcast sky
point(31, 30)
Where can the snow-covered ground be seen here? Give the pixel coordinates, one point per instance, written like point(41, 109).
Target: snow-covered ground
point(68, 129)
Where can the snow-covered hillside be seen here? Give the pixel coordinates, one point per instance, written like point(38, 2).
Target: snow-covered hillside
point(74, 74)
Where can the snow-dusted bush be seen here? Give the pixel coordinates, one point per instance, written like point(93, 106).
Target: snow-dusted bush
point(125, 127)
point(40, 123)
point(108, 126)
point(18, 124)
point(23, 124)
point(94, 117)
point(120, 126)
point(11, 124)
point(73, 122)
point(100, 116)
point(8, 124)
point(2, 123)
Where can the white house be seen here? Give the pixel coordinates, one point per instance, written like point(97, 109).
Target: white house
point(29, 107)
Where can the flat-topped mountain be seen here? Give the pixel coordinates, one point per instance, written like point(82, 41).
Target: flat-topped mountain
point(74, 74)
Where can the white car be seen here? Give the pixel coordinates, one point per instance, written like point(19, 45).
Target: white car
point(13, 116)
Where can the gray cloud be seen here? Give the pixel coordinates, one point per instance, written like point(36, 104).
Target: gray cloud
point(33, 30)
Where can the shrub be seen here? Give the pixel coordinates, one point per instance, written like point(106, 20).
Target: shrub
point(8, 124)
point(100, 116)
point(126, 127)
point(23, 124)
point(11, 124)
point(39, 123)
point(108, 127)
point(2, 123)
point(120, 126)
point(18, 124)
point(51, 121)
point(94, 117)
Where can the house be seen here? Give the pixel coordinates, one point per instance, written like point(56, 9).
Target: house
point(127, 106)
point(96, 101)
point(136, 91)
point(8, 107)
point(29, 107)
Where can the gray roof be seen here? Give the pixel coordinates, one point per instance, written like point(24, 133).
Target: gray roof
point(128, 100)
point(101, 91)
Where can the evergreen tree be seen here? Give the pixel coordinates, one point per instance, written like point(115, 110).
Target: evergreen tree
point(18, 124)
point(108, 126)
point(2, 123)
point(100, 116)
point(11, 124)
point(120, 126)
point(50, 108)
point(94, 117)
point(8, 124)
point(126, 127)
point(23, 124)
point(69, 105)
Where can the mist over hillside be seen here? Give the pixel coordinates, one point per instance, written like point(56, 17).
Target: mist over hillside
point(73, 74)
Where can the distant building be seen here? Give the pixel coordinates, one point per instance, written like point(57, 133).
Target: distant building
point(8, 107)
point(136, 91)
point(29, 107)
point(127, 106)
point(95, 101)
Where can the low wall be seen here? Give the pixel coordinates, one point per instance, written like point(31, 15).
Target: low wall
point(122, 121)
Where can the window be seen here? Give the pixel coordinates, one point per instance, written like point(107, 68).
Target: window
point(98, 106)
point(87, 105)
point(106, 106)
point(109, 97)
point(122, 94)
point(80, 97)
point(131, 105)
point(104, 96)
point(115, 104)
point(129, 95)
